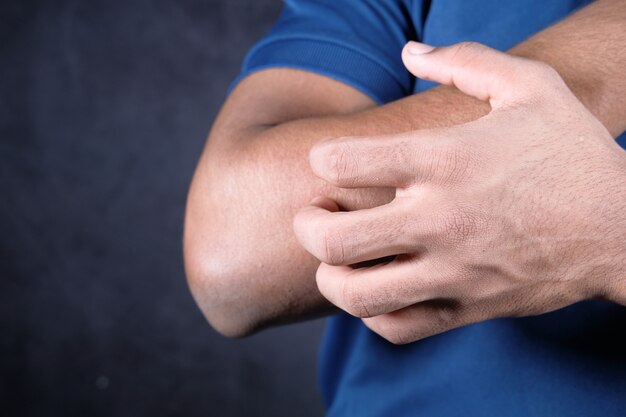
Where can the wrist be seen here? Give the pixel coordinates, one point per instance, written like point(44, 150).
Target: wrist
point(600, 93)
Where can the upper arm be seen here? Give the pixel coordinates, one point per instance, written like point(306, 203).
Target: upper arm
point(274, 96)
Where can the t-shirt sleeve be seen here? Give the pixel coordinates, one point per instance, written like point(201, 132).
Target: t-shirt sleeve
point(358, 42)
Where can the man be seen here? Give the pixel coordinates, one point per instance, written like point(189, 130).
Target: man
point(500, 198)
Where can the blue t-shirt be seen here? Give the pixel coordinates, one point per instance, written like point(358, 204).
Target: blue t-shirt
point(568, 363)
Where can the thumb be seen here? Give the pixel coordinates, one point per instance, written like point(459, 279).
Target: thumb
point(475, 69)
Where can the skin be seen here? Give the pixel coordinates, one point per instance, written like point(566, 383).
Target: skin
point(486, 222)
point(244, 264)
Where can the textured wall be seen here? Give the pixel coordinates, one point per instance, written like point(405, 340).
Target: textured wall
point(104, 108)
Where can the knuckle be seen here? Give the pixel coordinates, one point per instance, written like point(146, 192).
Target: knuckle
point(330, 247)
point(465, 53)
point(542, 78)
point(544, 71)
point(443, 318)
point(353, 300)
point(342, 164)
point(390, 331)
point(398, 339)
point(469, 48)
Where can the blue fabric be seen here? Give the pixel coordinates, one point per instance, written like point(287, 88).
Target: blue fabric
point(568, 363)
point(354, 41)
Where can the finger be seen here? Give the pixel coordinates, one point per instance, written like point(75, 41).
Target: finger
point(352, 162)
point(382, 288)
point(475, 69)
point(423, 320)
point(392, 161)
point(325, 203)
point(344, 238)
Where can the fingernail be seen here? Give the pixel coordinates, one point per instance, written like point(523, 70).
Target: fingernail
point(418, 48)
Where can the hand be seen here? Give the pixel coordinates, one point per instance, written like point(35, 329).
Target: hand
point(518, 213)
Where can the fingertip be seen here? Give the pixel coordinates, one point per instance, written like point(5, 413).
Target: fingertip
point(412, 57)
point(305, 221)
point(414, 48)
point(318, 157)
point(321, 278)
point(324, 203)
point(322, 158)
point(329, 280)
point(301, 226)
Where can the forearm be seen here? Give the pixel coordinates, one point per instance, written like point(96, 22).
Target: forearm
point(588, 49)
point(245, 266)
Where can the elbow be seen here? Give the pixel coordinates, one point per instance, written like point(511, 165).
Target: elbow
point(216, 274)
point(222, 295)
point(228, 263)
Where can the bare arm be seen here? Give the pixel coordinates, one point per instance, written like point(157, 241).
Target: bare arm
point(243, 263)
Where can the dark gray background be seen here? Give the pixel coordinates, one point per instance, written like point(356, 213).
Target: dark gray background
point(104, 108)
